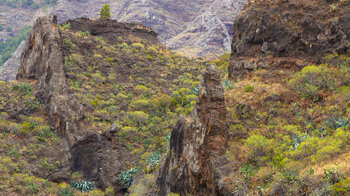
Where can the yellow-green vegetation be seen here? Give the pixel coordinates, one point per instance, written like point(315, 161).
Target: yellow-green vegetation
point(28, 146)
point(26, 142)
point(285, 128)
point(142, 87)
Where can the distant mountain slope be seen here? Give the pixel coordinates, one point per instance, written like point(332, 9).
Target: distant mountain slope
point(203, 25)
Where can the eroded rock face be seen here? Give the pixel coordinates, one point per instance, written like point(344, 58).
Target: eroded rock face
point(42, 60)
point(196, 164)
point(303, 29)
point(96, 155)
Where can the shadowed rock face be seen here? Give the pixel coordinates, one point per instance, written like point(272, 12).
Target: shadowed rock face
point(288, 29)
point(97, 157)
point(196, 163)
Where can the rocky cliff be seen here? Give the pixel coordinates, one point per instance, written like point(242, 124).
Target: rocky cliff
point(196, 163)
point(306, 30)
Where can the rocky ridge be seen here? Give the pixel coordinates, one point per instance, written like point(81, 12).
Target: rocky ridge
point(288, 31)
point(196, 164)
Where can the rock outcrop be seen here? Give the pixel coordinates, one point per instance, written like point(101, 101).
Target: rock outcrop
point(196, 163)
point(289, 29)
point(111, 29)
point(42, 60)
point(96, 155)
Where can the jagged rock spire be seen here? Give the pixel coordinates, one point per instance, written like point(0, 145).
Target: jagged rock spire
point(197, 144)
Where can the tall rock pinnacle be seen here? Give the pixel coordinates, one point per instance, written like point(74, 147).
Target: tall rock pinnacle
point(194, 165)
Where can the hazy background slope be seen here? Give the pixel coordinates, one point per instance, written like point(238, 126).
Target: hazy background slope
point(202, 25)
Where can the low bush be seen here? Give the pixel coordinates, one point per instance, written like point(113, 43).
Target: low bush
point(310, 80)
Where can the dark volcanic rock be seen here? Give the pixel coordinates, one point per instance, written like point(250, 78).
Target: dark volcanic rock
point(94, 154)
point(196, 164)
point(111, 29)
point(42, 60)
point(97, 158)
point(303, 29)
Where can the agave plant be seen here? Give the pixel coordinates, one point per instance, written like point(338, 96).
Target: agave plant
point(154, 159)
point(82, 186)
point(125, 177)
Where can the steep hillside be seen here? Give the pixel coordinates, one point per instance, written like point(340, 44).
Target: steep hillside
point(288, 98)
point(103, 102)
point(106, 93)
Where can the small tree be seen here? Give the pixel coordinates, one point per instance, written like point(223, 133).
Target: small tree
point(105, 11)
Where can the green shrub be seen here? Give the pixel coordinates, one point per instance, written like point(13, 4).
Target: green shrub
point(152, 50)
point(139, 116)
point(68, 42)
point(138, 46)
point(84, 33)
point(32, 104)
point(105, 11)
point(109, 191)
point(227, 84)
point(248, 88)
point(247, 171)
point(341, 188)
point(64, 190)
point(260, 148)
point(124, 45)
point(333, 175)
point(306, 148)
point(139, 104)
point(153, 160)
point(140, 89)
point(45, 133)
point(26, 128)
point(310, 80)
point(24, 88)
